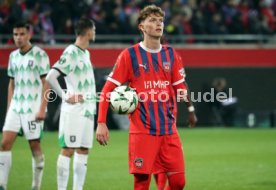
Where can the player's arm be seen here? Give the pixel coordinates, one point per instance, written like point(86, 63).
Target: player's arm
point(11, 86)
point(52, 79)
point(183, 95)
point(10, 92)
point(102, 132)
point(191, 108)
point(182, 90)
point(40, 115)
point(118, 76)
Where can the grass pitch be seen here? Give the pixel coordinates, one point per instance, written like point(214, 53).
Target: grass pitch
point(216, 159)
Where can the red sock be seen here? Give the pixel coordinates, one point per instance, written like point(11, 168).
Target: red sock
point(141, 181)
point(177, 181)
point(160, 180)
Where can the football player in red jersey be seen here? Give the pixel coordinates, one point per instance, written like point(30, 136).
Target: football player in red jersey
point(156, 72)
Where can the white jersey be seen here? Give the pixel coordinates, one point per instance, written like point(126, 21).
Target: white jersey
point(77, 69)
point(26, 70)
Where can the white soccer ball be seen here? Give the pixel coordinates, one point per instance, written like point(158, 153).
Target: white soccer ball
point(123, 100)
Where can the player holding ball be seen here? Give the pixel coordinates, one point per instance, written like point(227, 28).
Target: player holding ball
point(156, 72)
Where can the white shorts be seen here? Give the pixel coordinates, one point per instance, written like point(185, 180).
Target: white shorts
point(75, 131)
point(15, 122)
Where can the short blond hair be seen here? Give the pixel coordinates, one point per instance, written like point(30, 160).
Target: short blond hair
point(147, 11)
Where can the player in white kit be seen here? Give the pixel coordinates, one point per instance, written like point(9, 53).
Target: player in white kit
point(76, 125)
point(27, 69)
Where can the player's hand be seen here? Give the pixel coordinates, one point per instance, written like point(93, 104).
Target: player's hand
point(73, 99)
point(102, 134)
point(192, 119)
point(40, 116)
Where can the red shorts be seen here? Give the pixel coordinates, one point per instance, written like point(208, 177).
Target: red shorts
point(155, 154)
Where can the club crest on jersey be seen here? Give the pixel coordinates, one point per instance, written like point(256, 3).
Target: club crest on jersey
point(30, 63)
point(72, 138)
point(166, 66)
point(138, 162)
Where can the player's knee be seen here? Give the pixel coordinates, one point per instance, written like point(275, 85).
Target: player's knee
point(141, 181)
point(177, 181)
point(35, 145)
point(5, 146)
point(68, 152)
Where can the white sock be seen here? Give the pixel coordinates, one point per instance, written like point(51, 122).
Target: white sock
point(63, 165)
point(38, 166)
point(80, 168)
point(5, 166)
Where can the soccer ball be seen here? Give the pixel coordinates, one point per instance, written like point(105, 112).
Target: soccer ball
point(123, 100)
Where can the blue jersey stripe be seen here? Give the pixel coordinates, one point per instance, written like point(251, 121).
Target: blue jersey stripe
point(143, 114)
point(152, 118)
point(161, 118)
point(163, 56)
point(145, 60)
point(171, 56)
point(134, 62)
point(165, 61)
point(155, 61)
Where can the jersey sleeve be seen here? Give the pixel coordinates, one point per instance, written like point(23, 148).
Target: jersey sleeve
point(44, 64)
point(178, 71)
point(10, 68)
point(120, 73)
point(66, 63)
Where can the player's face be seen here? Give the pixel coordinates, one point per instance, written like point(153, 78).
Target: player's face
point(21, 37)
point(153, 26)
point(92, 34)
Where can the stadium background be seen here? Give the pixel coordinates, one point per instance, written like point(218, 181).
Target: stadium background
point(249, 70)
point(233, 40)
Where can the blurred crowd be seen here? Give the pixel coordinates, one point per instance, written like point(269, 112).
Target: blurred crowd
point(52, 17)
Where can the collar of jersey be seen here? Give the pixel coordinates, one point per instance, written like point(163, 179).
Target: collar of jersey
point(79, 48)
point(150, 50)
point(24, 53)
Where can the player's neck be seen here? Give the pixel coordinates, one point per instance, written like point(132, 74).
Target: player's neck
point(152, 43)
point(82, 43)
point(25, 48)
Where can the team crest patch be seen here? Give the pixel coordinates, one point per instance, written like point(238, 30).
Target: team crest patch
point(72, 138)
point(62, 60)
point(138, 162)
point(166, 66)
point(30, 63)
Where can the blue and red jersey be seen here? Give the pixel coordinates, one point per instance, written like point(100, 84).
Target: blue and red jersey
point(154, 75)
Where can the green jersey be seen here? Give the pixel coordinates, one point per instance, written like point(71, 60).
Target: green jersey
point(77, 69)
point(26, 70)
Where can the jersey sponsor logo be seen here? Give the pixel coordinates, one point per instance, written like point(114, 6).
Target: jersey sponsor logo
point(30, 63)
point(166, 66)
point(156, 84)
point(73, 138)
point(138, 162)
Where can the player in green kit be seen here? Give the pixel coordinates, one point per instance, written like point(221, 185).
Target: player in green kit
point(76, 125)
point(27, 69)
